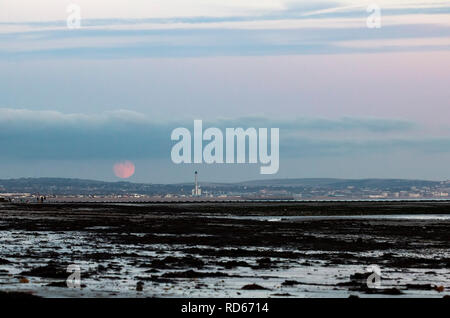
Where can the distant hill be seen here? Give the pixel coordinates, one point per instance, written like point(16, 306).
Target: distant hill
point(77, 186)
point(342, 183)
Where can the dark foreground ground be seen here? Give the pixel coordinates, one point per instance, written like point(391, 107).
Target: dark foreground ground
point(226, 249)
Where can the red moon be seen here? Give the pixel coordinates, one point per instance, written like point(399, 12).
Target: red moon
point(124, 169)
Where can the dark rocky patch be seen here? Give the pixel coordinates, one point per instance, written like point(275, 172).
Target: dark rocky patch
point(193, 274)
point(176, 262)
point(289, 283)
point(233, 264)
point(51, 270)
point(253, 287)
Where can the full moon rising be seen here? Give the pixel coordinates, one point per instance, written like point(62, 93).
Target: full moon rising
point(124, 169)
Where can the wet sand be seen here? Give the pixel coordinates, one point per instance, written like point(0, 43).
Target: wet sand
point(226, 249)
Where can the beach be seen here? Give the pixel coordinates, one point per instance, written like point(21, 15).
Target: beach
point(263, 249)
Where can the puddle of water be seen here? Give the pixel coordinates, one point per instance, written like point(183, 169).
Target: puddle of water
point(427, 217)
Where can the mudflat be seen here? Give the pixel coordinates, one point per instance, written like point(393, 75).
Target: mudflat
point(232, 249)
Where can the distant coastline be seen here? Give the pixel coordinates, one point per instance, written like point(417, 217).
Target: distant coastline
point(308, 189)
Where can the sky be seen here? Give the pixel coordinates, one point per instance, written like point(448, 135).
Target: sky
point(350, 101)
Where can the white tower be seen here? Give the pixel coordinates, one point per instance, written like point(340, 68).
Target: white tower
point(196, 191)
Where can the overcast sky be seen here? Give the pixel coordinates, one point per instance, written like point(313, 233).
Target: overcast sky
point(350, 101)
